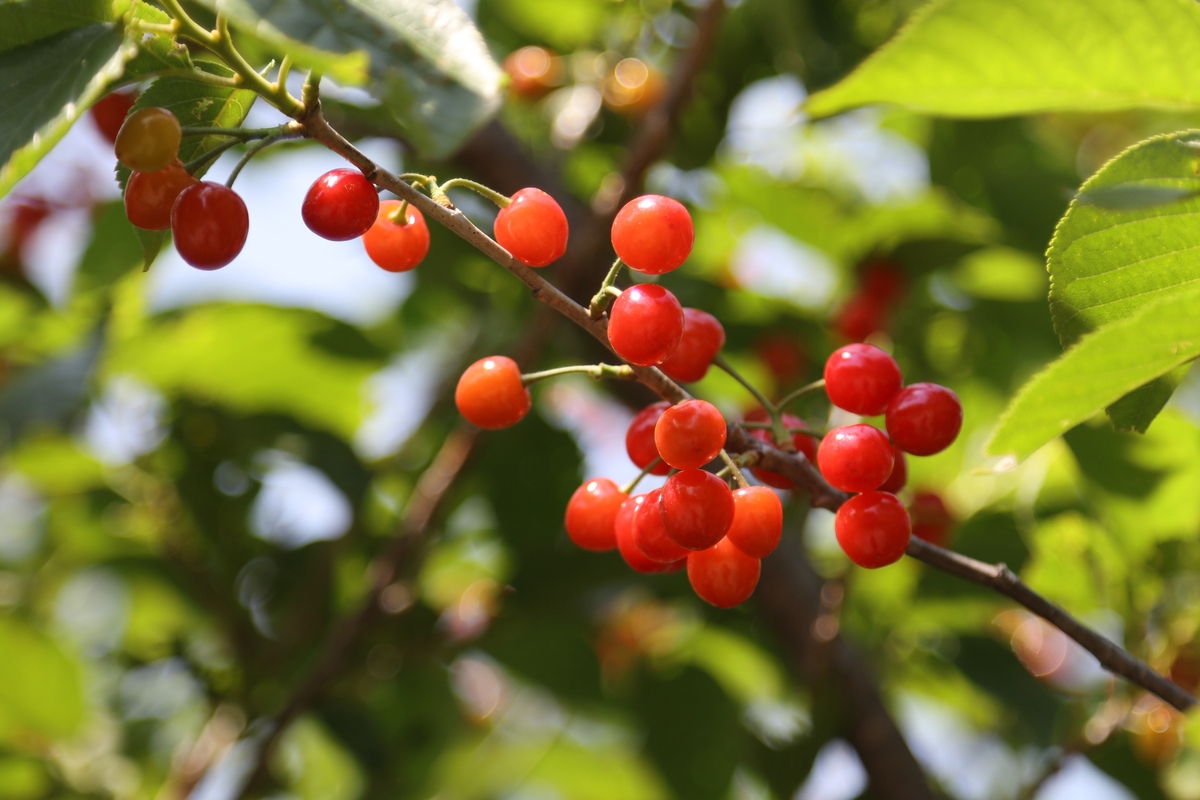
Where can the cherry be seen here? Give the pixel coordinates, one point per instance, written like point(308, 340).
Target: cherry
point(703, 337)
point(148, 140)
point(924, 418)
point(697, 508)
point(856, 458)
point(645, 324)
point(757, 521)
point(110, 111)
point(782, 355)
point(862, 379)
point(860, 316)
point(873, 529)
point(803, 443)
point(634, 557)
point(533, 228)
point(490, 393)
point(723, 575)
point(340, 205)
point(592, 514)
point(690, 434)
point(209, 223)
point(650, 535)
point(883, 279)
point(394, 244)
point(899, 476)
point(931, 520)
point(149, 196)
point(653, 234)
point(639, 439)
point(533, 71)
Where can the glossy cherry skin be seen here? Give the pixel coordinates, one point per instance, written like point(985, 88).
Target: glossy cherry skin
point(394, 246)
point(856, 458)
point(627, 546)
point(533, 228)
point(690, 434)
point(862, 315)
point(703, 337)
point(110, 111)
point(924, 418)
point(873, 529)
point(148, 140)
point(639, 439)
point(650, 535)
point(340, 205)
point(804, 444)
point(653, 234)
point(757, 521)
point(645, 324)
point(150, 196)
point(723, 575)
point(899, 476)
point(209, 223)
point(591, 517)
point(931, 520)
point(490, 393)
point(862, 379)
point(697, 508)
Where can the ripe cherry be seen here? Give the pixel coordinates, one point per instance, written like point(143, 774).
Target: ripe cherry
point(757, 521)
point(628, 548)
point(490, 393)
point(931, 520)
point(645, 324)
point(533, 71)
point(924, 418)
point(703, 337)
point(862, 379)
point(723, 575)
point(697, 508)
point(397, 243)
point(148, 140)
point(690, 434)
point(209, 223)
point(899, 476)
point(650, 535)
point(856, 458)
point(149, 196)
point(340, 205)
point(804, 444)
point(533, 228)
point(860, 316)
point(110, 111)
point(653, 234)
point(639, 439)
point(592, 514)
point(873, 529)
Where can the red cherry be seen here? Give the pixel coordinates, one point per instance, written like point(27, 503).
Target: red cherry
point(653, 234)
point(883, 279)
point(931, 520)
point(490, 393)
point(697, 508)
point(873, 529)
point(148, 140)
point(645, 324)
point(150, 196)
point(639, 439)
point(626, 544)
point(650, 535)
point(783, 356)
point(690, 434)
point(804, 444)
point(899, 476)
point(340, 205)
point(924, 418)
point(533, 228)
point(862, 315)
point(723, 575)
point(209, 223)
point(394, 245)
point(757, 521)
point(862, 379)
point(110, 111)
point(856, 458)
point(703, 337)
point(592, 514)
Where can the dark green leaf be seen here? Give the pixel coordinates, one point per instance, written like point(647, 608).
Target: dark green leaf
point(1136, 410)
point(113, 250)
point(26, 21)
point(156, 52)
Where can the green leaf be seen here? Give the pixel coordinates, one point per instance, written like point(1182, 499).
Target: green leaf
point(113, 250)
point(1136, 410)
point(993, 58)
point(26, 21)
point(1103, 367)
point(40, 688)
point(1001, 273)
point(47, 86)
point(156, 52)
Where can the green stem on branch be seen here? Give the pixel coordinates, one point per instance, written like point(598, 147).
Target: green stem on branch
point(478, 188)
point(607, 286)
point(778, 431)
point(646, 470)
point(798, 393)
point(252, 151)
point(624, 372)
point(733, 467)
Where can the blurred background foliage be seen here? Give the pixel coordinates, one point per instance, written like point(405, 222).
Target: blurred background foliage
point(197, 470)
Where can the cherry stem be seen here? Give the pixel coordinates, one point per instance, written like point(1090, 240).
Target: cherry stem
point(155, 28)
point(607, 288)
point(778, 430)
point(199, 161)
point(251, 152)
point(733, 467)
point(478, 188)
point(629, 487)
point(803, 390)
point(624, 372)
point(816, 433)
point(240, 133)
point(400, 215)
